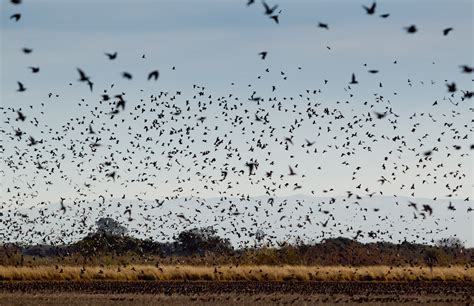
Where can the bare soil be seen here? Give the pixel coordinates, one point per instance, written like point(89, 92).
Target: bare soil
point(234, 293)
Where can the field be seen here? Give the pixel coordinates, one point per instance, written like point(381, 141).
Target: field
point(232, 293)
point(236, 273)
point(234, 285)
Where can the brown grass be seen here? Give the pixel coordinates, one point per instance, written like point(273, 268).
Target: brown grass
point(240, 273)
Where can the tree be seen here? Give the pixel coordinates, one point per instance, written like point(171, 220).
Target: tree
point(450, 243)
point(109, 226)
point(202, 240)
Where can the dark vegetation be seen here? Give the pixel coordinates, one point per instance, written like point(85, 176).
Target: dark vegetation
point(110, 244)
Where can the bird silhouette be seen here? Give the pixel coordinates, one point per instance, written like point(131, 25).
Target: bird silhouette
point(34, 69)
point(153, 75)
point(21, 87)
point(371, 9)
point(446, 31)
point(353, 79)
point(111, 56)
point(411, 29)
point(323, 25)
point(269, 10)
point(16, 17)
point(127, 75)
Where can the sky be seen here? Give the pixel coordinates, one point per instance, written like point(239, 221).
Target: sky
point(215, 44)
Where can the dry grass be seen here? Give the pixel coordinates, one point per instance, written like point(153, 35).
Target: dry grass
point(240, 273)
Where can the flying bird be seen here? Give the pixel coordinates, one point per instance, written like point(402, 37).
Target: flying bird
point(370, 10)
point(20, 117)
point(380, 115)
point(323, 25)
point(21, 87)
point(269, 10)
point(82, 76)
point(451, 87)
point(446, 31)
point(15, 17)
point(111, 56)
point(466, 69)
point(411, 29)
point(292, 172)
point(127, 75)
point(153, 75)
point(427, 208)
point(353, 79)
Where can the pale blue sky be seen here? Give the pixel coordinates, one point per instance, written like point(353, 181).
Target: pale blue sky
point(215, 43)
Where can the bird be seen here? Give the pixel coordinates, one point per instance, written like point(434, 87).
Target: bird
point(370, 10)
point(82, 76)
point(380, 115)
point(251, 166)
point(127, 75)
point(16, 17)
point(323, 25)
point(111, 174)
point(21, 87)
point(27, 50)
point(269, 10)
point(427, 208)
point(111, 56)
point(466, 69)
point(63, 207)
point(385, 15)
point(292, 172)
point(412, 204)
point(120, 103)
point(90, 84)
point(353, 79)
point(153, 75)
point(263, 54)
point(34, 69)
point(446, 31)
point(451, 87)
point(275, 18)
point(411, 29)
point(32, 141)
point(20, 117)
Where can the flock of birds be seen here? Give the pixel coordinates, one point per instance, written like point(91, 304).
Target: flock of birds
point(218, 144)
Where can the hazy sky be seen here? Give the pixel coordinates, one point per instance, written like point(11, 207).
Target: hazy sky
point(215, 44)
